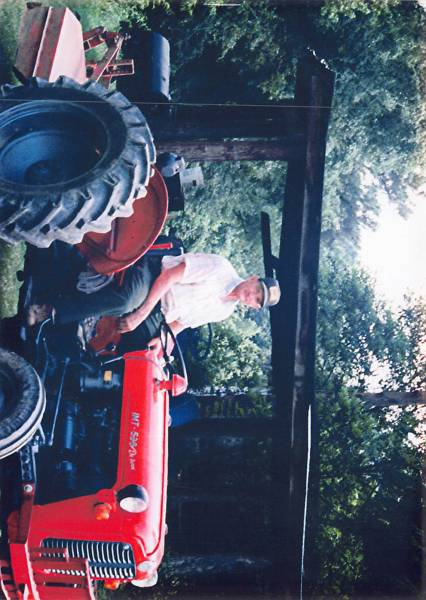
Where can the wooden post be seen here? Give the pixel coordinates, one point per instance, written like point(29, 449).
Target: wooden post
point(293, 323)
point(296, 132)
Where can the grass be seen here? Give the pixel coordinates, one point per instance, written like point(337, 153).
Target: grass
point(11, 260)
point(11, 257)
point(10, 17)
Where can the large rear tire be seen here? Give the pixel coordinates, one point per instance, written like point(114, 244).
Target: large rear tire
point(72, 158)
point(22, 402)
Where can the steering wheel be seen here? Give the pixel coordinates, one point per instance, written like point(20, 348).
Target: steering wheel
point(165, 334)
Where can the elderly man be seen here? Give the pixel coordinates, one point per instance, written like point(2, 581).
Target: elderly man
point(194, 289)
point(187, 291)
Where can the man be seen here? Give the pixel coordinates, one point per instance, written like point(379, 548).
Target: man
point(194, 289)
point(187, 291)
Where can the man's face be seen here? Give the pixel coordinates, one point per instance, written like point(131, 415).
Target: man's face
point(250, 292)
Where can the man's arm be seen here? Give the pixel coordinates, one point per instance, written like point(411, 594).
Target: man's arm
point(160, 287)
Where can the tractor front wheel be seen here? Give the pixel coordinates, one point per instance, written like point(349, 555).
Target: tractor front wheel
point(22, 402)
point(72, 158)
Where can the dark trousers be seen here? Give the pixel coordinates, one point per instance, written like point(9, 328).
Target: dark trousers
point(56, 270)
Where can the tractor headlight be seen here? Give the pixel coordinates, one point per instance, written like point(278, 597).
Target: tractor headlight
point(146, 566)
point(133, 498)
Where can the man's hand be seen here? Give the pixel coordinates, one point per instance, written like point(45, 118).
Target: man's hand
point(126, 324)
point(130, 322)
point(155, 345)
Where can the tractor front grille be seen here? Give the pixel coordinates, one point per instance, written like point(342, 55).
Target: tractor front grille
point(107, 560)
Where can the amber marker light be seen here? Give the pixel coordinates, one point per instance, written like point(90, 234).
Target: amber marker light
point(102, 511)
point(112, 585)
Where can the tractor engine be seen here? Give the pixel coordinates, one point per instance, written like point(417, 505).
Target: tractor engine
point(82, 454)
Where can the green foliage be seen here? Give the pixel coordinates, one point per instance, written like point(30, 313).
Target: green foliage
point(10, 16)
point(370, 474)
point(378, 118)
point(243, 41)
point(333, 10)
point(370, 501)
point(110, 13)
point(405, 355)
point(236, 359)
point(11, 260)
point(352, 332)
point(357, 333)
point(378, 115)
point(224, 216)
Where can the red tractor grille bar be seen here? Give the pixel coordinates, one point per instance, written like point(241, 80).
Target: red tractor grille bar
point(106, 560)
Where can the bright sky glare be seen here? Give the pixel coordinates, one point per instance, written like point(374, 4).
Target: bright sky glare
point(395, 254)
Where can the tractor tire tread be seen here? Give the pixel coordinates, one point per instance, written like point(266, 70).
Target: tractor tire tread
point(65, 215)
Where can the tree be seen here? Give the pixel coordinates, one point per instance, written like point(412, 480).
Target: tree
point(369, 536)
point(370, 463)
point(369, 471)
point(377, 125)
point(406, 356)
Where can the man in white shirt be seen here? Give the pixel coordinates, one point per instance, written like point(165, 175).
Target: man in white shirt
point(195, 289)
point(187, 290)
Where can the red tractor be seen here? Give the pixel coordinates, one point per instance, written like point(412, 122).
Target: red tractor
point(86, 429)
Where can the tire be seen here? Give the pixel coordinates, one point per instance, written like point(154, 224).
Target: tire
point(22, 402)
point(72, 158)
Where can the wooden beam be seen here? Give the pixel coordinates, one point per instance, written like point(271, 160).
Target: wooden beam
point(256, 427)
point(387, 398)
point(227, 121)
point(210, 150)
point(231, 132)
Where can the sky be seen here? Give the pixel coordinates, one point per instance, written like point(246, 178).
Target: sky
point(395, 253)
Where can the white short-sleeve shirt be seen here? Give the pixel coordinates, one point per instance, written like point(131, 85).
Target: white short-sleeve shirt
point(200, 296)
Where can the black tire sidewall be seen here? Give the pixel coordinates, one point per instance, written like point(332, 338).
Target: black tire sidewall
point(105, 114)
point(19, 424)
point(116, 139)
